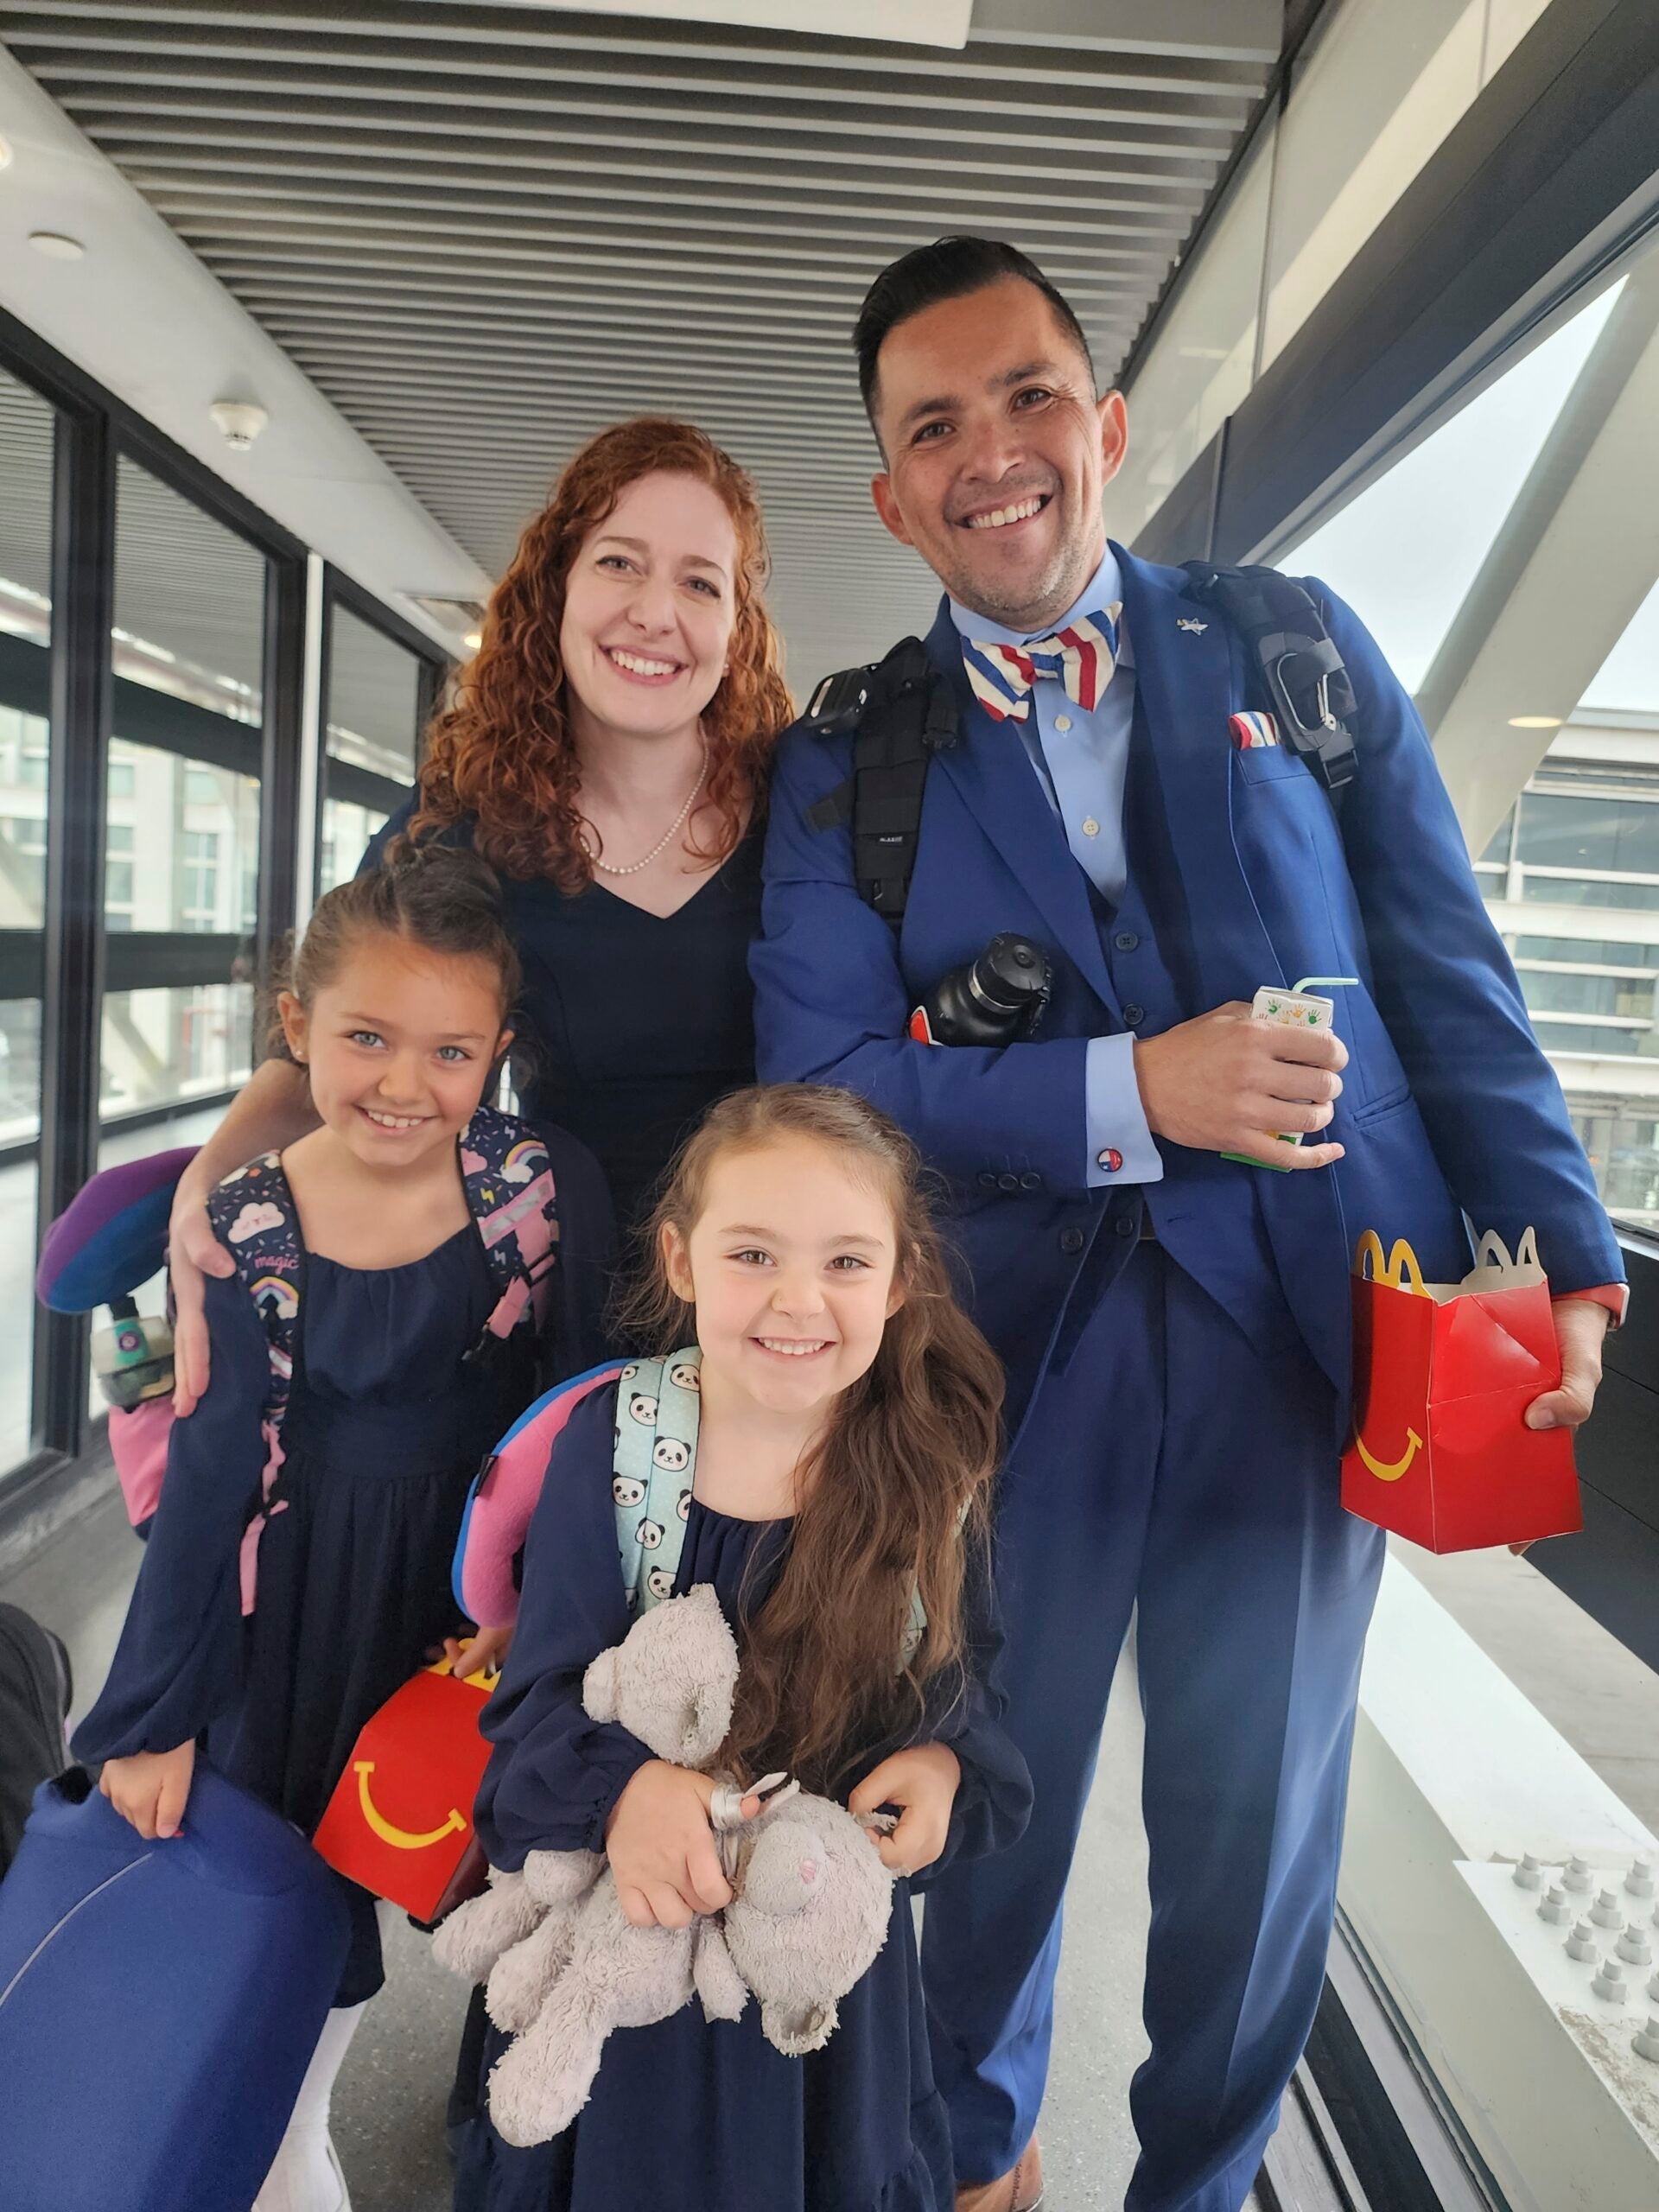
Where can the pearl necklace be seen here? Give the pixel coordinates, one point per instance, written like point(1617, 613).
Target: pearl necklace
point(664, 841)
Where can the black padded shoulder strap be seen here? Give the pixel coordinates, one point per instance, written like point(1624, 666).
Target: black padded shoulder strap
point(1303, 679)
point(905, 711)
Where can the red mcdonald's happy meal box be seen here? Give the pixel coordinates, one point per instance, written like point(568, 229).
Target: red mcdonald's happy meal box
point(400, 1821)
point(1443, 1375)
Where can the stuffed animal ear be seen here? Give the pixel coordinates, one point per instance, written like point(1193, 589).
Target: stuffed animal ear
point(599, 1686)
point(796, 2030)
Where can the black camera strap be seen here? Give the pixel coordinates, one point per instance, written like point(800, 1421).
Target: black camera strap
point(901, 710)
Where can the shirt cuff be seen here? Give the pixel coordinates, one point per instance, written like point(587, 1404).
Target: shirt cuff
point(1120, 1147)
point(1615, 1296)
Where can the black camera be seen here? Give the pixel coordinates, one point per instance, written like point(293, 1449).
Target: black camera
point(997, 999)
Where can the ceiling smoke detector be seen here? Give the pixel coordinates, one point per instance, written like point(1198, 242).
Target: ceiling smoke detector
point(238, 421)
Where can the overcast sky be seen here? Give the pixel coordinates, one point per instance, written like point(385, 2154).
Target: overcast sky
point(1405, 551)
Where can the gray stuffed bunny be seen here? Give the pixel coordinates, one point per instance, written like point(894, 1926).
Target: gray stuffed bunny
point(809, 1914)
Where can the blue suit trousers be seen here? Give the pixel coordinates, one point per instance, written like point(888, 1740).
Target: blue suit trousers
point(1171, 1470)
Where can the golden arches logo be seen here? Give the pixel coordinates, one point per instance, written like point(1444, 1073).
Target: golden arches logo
point(1398, 1271)
point(1390, 1470)
point(400, 1838)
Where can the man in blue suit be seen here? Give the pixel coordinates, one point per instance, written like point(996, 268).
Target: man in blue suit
point(1175, 1324)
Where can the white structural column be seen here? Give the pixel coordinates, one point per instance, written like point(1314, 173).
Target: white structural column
point(1574, 559)
point(312, 741)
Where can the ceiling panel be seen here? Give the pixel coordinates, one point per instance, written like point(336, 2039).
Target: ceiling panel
point(486, 231)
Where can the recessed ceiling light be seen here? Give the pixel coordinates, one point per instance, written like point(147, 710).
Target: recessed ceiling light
point(1534, 722)
point(55, 246)
point(5, 153)
point(473, 640)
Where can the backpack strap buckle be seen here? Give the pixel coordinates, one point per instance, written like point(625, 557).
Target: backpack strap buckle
point(1300, 668)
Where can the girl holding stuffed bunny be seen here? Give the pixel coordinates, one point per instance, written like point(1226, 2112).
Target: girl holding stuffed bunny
point(413, 1258)
point(834, 1495)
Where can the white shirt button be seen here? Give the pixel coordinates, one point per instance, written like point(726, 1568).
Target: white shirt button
point(1091, 827)
point(1062, 721)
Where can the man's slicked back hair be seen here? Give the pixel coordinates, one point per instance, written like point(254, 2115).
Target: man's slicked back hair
point(948, 269)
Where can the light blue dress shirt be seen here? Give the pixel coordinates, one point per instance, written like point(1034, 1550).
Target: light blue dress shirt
point(1083, 762)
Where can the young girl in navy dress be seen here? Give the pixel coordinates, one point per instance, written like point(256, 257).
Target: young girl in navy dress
point(399, 1009)
point(848, 1430)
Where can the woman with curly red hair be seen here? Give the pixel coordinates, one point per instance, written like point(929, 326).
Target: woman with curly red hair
point(606, 750)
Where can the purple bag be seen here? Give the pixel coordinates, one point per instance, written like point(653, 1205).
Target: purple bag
point(159, 2002)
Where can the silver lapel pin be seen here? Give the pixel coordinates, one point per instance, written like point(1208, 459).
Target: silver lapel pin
point(1191, 622)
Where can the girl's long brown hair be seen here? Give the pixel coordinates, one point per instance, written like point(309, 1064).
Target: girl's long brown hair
point(894, 1496)
point(501, 751)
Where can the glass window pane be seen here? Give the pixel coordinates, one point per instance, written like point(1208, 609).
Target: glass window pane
point(1599, 952)
point(373, 694)
point(1623, 1149)
point(1573, 891)
point(346, 830)
point(26, 461)
point(198, 831)
point(182, 803)
point(1547, 990)
point(373, 698)
point(168, 1046)
point(1498, 851)
point(1589, 1037)
point(1405, 549)
point(189, 600)
point(1589, 833)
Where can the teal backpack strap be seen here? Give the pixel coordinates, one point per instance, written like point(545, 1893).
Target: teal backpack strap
point(658, 1405)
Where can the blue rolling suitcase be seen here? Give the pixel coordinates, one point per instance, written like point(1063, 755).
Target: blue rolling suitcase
point(159, 2002)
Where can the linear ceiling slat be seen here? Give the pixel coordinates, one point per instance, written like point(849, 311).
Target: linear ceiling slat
point(548, 253)
point(778, 139)
point(183, 182)
point(505, 232)
point(1003, 98)
point(989, 125)
point(1165, 205)
point(618, 49)
point(485, 232)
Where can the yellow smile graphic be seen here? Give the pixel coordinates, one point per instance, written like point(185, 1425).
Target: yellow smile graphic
point(400, 1838)
point(1384, 1470)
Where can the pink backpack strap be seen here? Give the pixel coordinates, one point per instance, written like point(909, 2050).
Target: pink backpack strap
point(509, 1183)
point(503, 1499)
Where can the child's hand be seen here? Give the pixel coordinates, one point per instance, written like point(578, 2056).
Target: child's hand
point(662, 1849)
point(150, 1788)
point(480, 1651)
point(922, 1781)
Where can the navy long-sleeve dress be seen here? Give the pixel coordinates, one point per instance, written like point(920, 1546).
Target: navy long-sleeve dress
point(633, 1023)
point(387, 1421)
point(688, 2113)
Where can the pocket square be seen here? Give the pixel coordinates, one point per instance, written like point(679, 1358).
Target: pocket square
point(1250, 729)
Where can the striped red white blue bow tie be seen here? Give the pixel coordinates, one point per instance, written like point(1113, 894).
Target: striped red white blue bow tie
point(1082, 656)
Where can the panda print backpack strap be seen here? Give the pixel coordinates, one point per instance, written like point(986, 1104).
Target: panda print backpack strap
point(658, 1405)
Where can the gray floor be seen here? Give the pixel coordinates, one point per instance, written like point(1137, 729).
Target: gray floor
point(389, 2105)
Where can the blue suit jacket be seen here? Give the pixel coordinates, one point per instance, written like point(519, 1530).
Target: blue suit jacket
point(1449, 1104)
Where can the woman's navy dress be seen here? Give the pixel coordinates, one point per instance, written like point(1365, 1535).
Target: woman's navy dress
point(385, 1429)
point(687, 2113)
point(635, 1022)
